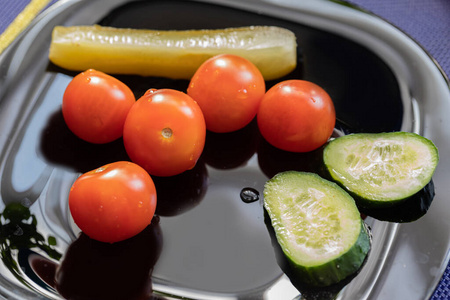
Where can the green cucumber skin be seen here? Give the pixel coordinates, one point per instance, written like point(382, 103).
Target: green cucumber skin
point(361, 200)
point(331, 271)
point(328, 274)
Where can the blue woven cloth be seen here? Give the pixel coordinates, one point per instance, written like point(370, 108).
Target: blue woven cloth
point(9, 10)
point(426, 21)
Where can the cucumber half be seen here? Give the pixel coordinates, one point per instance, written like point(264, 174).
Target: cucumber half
point(318, 227)
point(381, 169)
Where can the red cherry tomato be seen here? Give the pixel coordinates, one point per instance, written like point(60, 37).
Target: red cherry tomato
point(95, 106)
point(296, 116)
point(113, 202)
point(165, 132)
point(228, 88)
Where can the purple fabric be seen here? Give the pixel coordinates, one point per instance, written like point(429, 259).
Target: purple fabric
point(9, 10)
point(426, 21)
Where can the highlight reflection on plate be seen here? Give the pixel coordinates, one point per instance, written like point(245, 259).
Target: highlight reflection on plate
point(215, 245)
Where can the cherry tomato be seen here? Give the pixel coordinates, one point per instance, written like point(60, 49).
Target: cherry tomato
point(95, 106)
point(165, 132)
point(296, 116)
point(228, 89)
point(114, 202)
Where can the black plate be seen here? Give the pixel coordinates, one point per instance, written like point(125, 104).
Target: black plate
point(206, 241)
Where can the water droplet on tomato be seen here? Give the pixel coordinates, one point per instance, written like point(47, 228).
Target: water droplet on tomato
point(101, 169)
point(150, 91)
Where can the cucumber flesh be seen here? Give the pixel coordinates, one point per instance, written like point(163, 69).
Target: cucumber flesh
point(381, 169)
point(317, 225)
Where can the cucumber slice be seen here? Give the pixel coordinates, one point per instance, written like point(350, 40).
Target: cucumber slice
point(381, 169)
point(317, 226)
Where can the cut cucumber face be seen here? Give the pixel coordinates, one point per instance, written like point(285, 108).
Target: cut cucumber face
point(317, 226)
point(381, 169)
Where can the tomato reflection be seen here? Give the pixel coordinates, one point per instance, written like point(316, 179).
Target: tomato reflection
point(180, 193)
point(231, 150)
point(273, 161)
point(96, 270)
point(60, 146)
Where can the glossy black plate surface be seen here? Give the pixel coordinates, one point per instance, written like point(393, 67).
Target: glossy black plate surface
point(206, 243)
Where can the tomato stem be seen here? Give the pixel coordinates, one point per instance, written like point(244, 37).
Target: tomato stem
point(167, 133)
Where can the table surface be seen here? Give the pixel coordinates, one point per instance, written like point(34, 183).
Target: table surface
point(427, 22)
